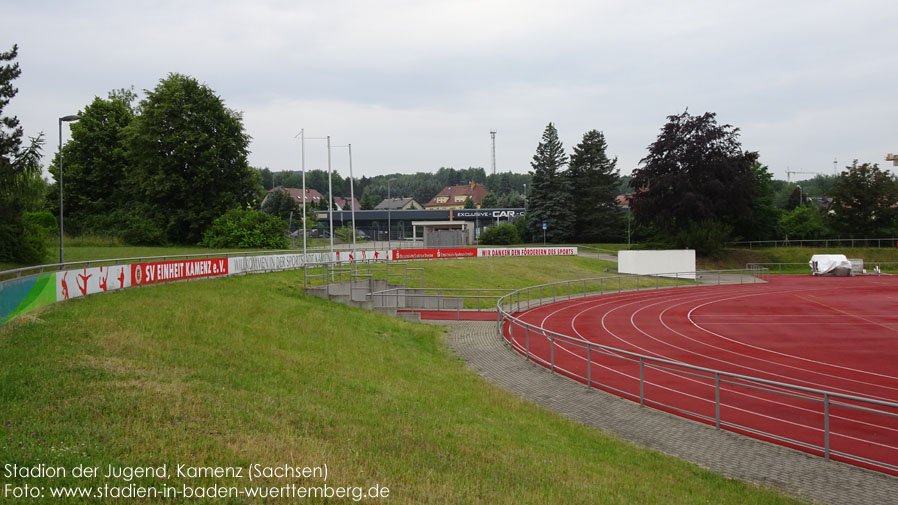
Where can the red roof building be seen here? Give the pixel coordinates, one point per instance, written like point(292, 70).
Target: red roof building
point(312, 196)
point(454, 197)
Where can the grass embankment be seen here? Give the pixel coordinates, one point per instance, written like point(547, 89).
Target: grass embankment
point(234, 371)
point(474, 277)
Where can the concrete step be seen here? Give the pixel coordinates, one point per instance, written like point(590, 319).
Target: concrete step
point(409, 316)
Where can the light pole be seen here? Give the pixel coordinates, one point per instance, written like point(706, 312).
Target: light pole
point(302, 136)
point(73, 117)
point(800, 196)
point(351, 193)
point(389, 214)
point(330, 194)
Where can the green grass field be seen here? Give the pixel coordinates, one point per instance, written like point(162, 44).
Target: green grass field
point(248, 370)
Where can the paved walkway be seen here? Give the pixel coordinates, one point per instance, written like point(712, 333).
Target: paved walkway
point(792, 472)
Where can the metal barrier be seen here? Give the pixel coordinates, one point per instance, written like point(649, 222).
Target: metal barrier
point(825, 242)
point(885, 266)
point(440, 299)
point(335, 273)
point(639, 377)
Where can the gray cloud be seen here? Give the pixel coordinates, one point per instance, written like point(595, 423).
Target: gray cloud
point(418, 85)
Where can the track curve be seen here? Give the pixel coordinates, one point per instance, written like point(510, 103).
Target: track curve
point(838, 335)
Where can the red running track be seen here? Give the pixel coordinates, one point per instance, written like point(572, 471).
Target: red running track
point(834, 334)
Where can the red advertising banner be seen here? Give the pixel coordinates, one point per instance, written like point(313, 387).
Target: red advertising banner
point(165, 271)
point(427, 254)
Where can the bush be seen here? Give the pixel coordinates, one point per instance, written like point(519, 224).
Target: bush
point(708, 237)
point(247, 228)
point(28, 239)
point(503, 234)
point(804, 223)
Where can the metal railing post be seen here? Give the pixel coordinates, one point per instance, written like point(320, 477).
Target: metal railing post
point(826, 425)
point(717, 400)
point(588, 365)
point(552, 352)
point(641, 381)
point(527, 340)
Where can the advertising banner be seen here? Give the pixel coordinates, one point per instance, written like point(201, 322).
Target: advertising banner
point(526, 251)
point(426, 254)
point(20, 296)
point(276, 262)
point(165, 271)
point(88, 281)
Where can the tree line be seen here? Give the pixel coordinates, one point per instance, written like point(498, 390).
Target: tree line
point(697, 187)
point(506, 189)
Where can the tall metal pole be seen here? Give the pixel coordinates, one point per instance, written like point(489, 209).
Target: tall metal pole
point(351, 195)
point(73, 117)
point(303, 143)
point(330, 194)
point(493, 136)
point(61, 259)
point(389, 216)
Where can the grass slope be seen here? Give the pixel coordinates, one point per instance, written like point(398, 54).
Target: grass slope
point(241, 370)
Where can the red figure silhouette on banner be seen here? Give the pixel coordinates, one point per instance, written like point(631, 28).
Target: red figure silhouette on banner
point(121, 279)
point(65, 287)
point(103, 279)
point(84, 278)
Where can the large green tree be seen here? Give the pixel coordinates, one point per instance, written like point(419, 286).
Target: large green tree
point(95, 164)
point(549, 201)
point(188, 159)
point(594, 178)
point(21, 186)
point(761, 221)
point(695, 172)
point(864, 199)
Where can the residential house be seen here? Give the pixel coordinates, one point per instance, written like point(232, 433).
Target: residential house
point(312, 196)
point(399, 204)
point(454, 197)
point(343, 203)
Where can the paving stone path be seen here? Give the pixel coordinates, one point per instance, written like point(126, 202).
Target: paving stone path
point(792, 472)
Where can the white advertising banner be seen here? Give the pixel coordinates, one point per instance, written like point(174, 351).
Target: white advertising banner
point(275, 262)
point(88, 281)
point(526, 251)
point(670, 263)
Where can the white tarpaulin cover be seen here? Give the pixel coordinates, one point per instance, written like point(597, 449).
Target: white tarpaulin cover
point(830, 264)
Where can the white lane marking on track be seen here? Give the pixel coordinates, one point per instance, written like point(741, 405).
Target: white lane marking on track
point(640, 297)
point(801, 358)
point(689, 351)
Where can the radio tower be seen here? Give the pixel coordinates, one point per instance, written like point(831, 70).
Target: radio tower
point(493, 136)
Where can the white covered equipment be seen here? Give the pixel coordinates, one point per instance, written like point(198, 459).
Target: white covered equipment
point(830, 264)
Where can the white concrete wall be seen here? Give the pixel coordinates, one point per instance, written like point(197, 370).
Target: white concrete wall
point(657, 262)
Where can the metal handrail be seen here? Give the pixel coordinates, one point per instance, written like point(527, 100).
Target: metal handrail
point(816, 395)
point(137, 259)
point(825, 242)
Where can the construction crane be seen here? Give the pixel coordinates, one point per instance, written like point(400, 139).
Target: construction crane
point(790, 172)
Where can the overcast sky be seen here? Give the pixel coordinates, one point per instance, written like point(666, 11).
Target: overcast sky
point(418, 85)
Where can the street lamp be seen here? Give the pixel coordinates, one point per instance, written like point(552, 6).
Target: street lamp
point(73, 117)
point(351, 194)
point(389, 214)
